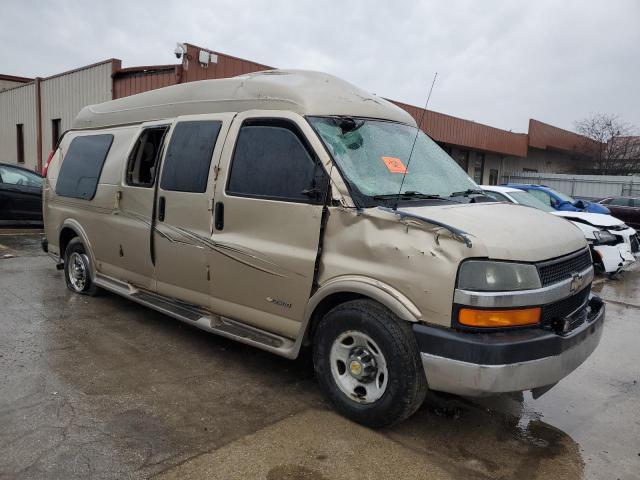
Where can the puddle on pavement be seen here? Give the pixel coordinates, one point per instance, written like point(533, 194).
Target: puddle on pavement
point(624, 289)
point(497, 437)
point(294, 472)
point(21, 243)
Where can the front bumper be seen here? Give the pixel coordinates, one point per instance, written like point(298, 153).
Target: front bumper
point(480, 364)
point(614, 258)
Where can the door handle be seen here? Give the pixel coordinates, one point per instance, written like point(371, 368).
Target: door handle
point(218, 219)
point(161, 208)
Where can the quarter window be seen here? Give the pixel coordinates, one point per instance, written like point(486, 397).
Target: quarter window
point(186, 166)
point(143, 160)
point(497, 196)
point(82, 165)
point(271, 160)
point(542, 196)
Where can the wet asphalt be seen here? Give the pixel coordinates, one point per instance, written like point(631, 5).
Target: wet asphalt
point(104, 388)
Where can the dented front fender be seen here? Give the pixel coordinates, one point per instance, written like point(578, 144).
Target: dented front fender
point(409, 263)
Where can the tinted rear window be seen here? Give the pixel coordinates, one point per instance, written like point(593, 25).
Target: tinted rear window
point(186, 166)
point(82, 165)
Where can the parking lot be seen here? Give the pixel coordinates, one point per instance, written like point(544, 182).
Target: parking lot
point(104, 388)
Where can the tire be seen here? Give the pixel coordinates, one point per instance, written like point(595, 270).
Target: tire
point(394, 387)
point(77, 268)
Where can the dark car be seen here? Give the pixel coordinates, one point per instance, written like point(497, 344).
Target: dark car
point(20, 195)
point(626, 209)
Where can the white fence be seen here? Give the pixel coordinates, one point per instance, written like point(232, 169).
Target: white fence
point(581, 186)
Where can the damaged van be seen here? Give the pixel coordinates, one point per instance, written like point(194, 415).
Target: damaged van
point(290, 209)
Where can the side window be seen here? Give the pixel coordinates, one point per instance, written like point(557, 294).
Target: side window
point(271, 161)
point(143, 160)
point(82, 165)
point(186, 165)
point(540, 195)
point(497, 196)
point(15, 176)
point(621, 202)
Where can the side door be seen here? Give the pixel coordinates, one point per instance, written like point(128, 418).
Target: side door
point(183, 215)
point(134, 205)
point(268, 212)
point(20, 194)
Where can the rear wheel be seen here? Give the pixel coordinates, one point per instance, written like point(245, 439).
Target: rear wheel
point(368, 364)
point(77, 269)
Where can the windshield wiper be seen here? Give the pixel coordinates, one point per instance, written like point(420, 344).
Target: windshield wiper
point(412, 195)
point(467, 192)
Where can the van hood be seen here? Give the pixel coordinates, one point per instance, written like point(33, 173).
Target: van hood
point(508, 231)
point(595, 219)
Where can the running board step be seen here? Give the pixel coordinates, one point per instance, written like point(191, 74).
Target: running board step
point(201, 318)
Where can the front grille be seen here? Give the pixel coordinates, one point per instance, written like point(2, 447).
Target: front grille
point(554, 314)
point(635, 244)
point(561, 269)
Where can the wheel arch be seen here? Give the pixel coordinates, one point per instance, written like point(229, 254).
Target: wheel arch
point(69, 230)
point(343, 289)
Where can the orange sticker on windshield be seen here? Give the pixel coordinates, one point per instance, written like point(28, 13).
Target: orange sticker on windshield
point(394, 165)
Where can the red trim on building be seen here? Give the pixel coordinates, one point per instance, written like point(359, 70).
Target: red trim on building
point(13, 78)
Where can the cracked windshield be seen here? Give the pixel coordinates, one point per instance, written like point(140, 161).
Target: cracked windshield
point(375, 156)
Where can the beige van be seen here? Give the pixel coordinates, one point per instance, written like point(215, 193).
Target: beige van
point(266, 208)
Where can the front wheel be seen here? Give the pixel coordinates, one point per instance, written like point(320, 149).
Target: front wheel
point(368, 364)
point(77, 269)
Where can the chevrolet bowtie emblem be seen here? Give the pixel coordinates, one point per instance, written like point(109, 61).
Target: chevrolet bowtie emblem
point(576, 282)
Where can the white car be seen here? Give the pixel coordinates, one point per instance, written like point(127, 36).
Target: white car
point(614, 245)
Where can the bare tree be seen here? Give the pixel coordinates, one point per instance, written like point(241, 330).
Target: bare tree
point(610, 147)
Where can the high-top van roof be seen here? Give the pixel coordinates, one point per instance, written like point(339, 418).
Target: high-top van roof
point(300, 91)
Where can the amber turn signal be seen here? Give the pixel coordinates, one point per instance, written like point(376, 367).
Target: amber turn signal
point(499, 318)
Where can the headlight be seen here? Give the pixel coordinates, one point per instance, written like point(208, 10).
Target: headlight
point(482, 275)
point(602, 236)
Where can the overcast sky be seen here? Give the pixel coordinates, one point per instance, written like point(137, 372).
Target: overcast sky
point(498, 62)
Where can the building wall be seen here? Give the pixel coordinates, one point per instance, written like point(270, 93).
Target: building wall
point(130, 81)
point(490, 165)
point(226, 66)
point(544, 136)
point(141, 81)
point(63, 96)
point(542, 161)
point(18, 105)
point(458, 131)
point(4, 84)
